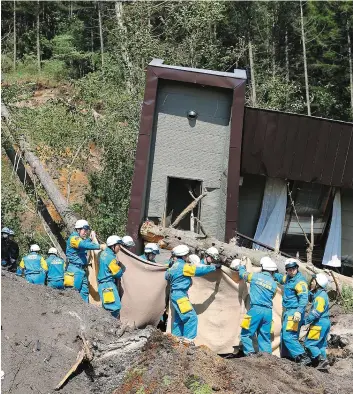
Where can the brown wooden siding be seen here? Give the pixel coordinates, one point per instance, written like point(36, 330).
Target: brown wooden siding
point(297, 147)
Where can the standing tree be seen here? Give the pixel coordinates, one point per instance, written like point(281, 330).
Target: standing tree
point(304, 59)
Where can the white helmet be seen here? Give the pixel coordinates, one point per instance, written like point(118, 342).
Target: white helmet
point(152, 248)
point(113, 240)
point(235, 263)
point(181, 250)
point(213, 252)
point(321, 280)
point(194, 259)
point(34, 248)
point(268, 264)
point(53, 251)
point(128, 241)
point(82, 224)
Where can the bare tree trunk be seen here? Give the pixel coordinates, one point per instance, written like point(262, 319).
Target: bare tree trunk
point(14, 35)
point(38, 35)
point(71, 9)
point(50, 187)
point(252, 70)
point(287, 55)
point(350, 66)
point(100, 31)
point(304, 58)
point(124, 52)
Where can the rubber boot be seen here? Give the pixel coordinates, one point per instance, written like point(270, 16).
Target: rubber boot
point(303, 359)
point(323, 364)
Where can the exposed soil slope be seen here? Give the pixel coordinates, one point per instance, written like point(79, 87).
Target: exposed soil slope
point(39, 344)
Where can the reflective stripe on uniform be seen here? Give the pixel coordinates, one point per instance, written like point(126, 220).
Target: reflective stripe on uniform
point(189, 270)
point(75, 242)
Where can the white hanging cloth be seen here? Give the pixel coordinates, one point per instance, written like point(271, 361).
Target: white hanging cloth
point(332, 255)
point(273, 212)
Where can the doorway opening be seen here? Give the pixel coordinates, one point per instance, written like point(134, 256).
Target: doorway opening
point(179, 196)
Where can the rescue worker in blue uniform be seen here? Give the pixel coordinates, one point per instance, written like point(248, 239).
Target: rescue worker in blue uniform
point(179, 276)
point(9, 250)
point(211, 256)
point(258, 320)
point(76, 252)
point(5, 248)
point(294, 301)
point(33, 266)
point(110, 270)
point(150, 252)
point(319, 321)
point(56, 270)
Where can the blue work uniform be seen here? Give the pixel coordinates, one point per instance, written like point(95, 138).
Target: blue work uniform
point(76, 253)
point(203, 262)
point(319, 320)
point(258, 320)
point(56, 269)
point(34, 268)
point(295, 299)
point(179, 277)
point(109, 270)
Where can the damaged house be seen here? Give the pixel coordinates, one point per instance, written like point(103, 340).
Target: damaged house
point(196, 135)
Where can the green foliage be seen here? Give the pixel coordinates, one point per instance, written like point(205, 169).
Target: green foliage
point(197, 386)
point(347, 298)
point(212, 35)
point(14, 207)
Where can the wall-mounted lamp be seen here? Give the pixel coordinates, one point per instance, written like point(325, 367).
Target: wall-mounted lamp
point(192, 115)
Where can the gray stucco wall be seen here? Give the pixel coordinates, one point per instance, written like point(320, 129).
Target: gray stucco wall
point(192, 150)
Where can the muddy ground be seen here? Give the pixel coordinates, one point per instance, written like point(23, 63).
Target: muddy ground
point(39, 344)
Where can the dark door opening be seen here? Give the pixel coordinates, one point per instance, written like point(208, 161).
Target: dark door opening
point(178, 198)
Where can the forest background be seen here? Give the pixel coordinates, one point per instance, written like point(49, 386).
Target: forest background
point(73, 77)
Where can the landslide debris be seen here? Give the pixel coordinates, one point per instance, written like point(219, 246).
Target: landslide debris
point(40, 329)
point(39, 337)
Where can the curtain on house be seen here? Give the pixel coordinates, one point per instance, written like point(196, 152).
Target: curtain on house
point(273, 213)
point(332, 255)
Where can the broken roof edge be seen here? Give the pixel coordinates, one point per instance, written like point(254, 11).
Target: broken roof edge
point(237, 73)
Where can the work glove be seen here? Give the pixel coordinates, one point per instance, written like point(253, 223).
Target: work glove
point(218, 266)
point(297, 316)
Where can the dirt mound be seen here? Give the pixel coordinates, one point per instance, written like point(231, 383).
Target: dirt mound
point(40, 328)
point(39, 340)
point(167, 367)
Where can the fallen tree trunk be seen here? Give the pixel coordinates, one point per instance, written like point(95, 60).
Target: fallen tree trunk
point(50, 187)
point(50, 226)
point(68, 217)
point(168, 238)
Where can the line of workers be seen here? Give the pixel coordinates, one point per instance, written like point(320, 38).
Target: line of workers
point(182, 266)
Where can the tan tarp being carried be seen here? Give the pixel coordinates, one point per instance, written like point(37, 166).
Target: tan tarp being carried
point(219, 298)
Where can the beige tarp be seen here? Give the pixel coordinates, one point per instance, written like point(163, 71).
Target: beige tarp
point(143, 287)
point(220, 300)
